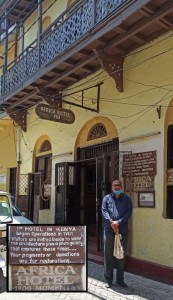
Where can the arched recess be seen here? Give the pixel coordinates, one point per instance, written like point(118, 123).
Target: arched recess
point(46, 22)
point(69, 2)
point(38, 145)
point(95, 150)
point(102, 125)
point(168, 162)
point(42, 168)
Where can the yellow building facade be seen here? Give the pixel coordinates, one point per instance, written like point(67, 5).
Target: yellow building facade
point(134, 121)
point(8, 168)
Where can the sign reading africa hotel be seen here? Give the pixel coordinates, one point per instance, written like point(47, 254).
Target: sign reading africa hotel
point(46, 258)
point(55, 114)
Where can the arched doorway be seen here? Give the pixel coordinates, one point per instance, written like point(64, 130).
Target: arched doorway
point(96, 144)
point(81, 185)
point(40, 179)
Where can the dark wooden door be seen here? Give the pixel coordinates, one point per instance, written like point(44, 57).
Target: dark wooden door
point(67, 183)
point(103, 187)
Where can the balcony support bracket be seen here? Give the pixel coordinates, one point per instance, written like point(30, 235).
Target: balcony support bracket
point(113, 65)
point(19, 118)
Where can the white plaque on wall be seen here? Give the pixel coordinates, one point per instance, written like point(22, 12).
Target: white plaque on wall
point(2, 178)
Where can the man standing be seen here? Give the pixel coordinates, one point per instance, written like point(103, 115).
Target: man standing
point(116, 211)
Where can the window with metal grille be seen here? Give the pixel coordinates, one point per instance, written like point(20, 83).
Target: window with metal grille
point(169, 204)
point(45, 146)
point(97, 131)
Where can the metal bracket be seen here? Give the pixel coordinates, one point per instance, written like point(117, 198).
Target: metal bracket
point(19, 118)
point(57, 99)
point(159, 111)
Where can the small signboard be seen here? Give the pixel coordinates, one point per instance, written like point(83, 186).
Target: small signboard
point(170, 177)
point(46, 278)
point(55, 114)
point(47, 189)
point(140, 183)
point(3, 179)
point(139, 164)
point(146, 199)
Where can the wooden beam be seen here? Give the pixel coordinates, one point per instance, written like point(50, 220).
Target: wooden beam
point(71, 62)
point(128, 34)
point(148, 11)
point(168, 7)
point(71, 69)
point(135, 38)
point(18, 102)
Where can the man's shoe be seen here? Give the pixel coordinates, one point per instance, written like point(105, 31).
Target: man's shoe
point(122, 284)
point(108, 285)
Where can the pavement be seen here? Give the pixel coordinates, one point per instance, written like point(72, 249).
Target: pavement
point(140, 288)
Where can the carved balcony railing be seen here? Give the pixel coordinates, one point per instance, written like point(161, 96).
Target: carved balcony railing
point(68, 28)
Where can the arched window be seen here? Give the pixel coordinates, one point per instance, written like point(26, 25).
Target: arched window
point(45, 146)
point(97, 131)
point(69, 2)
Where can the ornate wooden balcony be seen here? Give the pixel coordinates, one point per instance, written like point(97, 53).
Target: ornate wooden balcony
point(89, 35)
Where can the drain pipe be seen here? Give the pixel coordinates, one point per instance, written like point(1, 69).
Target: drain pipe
point(18, 159)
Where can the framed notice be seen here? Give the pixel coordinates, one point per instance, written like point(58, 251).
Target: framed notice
point(46, 258)
point(146, 199)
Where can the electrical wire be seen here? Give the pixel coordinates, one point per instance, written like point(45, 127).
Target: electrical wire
point(124, 69)
point(26, 143)
point(134, 121)
point(151, 44)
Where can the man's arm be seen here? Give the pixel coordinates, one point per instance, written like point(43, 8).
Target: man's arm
point(105, 213)
point(106, 216)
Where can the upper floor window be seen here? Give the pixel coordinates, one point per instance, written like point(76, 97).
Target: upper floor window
point(45, 146)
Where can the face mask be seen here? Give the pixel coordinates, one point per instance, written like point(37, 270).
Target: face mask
point(119, 192)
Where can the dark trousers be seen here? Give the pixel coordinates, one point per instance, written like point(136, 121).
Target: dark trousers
point(110, 262)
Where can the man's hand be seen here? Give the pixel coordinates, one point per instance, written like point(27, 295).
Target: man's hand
point(115, 226)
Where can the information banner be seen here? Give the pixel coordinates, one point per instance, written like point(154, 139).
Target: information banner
point(46, 244)
point(46, 258)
